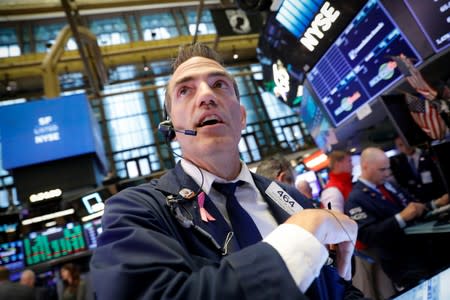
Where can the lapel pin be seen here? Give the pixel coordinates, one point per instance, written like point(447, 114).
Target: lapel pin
point(186, 193)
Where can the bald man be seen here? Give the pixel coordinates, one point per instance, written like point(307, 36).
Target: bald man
point(28, 278)
point(382, 210)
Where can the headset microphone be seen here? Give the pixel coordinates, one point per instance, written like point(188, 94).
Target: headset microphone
point(167, 129)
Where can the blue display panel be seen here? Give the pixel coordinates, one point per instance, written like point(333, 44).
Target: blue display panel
point(53, 243)
point(358, 66)
point(11, 257)
point(316, 121)
point(45, 130)
point(433, 18)
point(91, 231)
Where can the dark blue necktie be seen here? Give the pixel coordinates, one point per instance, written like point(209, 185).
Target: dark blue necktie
point(412, 164)
point(243, 226)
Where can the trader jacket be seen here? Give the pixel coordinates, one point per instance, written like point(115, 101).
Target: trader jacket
point(145, 253)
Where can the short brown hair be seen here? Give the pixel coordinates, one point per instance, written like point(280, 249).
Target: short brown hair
point(336, 156)
point(185, 52)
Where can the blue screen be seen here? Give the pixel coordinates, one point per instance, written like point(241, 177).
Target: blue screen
point(92, 230)
point(358, 67)
point(433, 18)
point(435, 288)
point(316, 122)
point(12, 257)
point(46, 130)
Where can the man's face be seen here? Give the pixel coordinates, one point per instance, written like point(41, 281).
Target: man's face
point(379, 170)
point(345, 165)
point(203, 99)
point(402, 147)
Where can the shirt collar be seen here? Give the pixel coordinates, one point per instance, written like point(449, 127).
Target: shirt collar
point(199, 175)
point(368, 183)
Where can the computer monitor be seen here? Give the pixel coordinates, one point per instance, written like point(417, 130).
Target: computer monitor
point(311, 178)
point(12, 257)
point(91, 231)
point(435, 288)
point(53, 243)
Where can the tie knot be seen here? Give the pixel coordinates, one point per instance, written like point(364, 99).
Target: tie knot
point(227, 189)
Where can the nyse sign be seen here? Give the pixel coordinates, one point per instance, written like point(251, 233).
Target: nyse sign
point(321, 24)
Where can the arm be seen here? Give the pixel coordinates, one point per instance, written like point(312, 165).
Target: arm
point(143, 253)
point(332, 197)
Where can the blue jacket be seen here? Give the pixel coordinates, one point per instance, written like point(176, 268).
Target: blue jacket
point(145, 253)
point(379, 230)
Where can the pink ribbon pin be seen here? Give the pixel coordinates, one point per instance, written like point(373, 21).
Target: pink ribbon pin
point(206, 217)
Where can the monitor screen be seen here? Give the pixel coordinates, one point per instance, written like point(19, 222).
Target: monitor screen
point(11, 257)
point(316, 121)
point(358, 65)
point(311, 178)
point(91, 231)
point(435, 288)
point(53, 243)
point(90, 202)
point(433, 19)
point(46, 130)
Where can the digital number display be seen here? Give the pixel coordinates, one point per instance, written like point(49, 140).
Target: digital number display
point(53, 243)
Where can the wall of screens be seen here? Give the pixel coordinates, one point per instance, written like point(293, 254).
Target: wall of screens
point(12, 257)
point(358, 66)
point(53, 243)
point(433, 18)
point(316, 120)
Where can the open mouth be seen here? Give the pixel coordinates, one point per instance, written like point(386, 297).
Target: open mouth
point(209, 120)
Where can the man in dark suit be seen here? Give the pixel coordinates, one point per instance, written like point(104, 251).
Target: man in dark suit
point(415, 170)
point(188, 236)
point(13, 290)
point(382, 210)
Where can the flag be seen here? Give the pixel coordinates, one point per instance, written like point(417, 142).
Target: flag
point(426, 116)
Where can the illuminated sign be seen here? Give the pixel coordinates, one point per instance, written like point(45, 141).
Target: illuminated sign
point(322, 23)
point(358, 65)
point(281, 79)
point(45, 195)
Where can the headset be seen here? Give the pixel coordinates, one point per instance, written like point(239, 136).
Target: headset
point(168, 131)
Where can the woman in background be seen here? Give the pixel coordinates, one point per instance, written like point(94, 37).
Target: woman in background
point(74, 288)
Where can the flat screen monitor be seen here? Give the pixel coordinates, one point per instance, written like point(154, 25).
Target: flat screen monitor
point(90, 202)
point(433, 19)
point(311, 178)
point(12, 257)
point(91, 231)
point(316, 121)
point(358, 65)
point(45, 130)
point(53, 243)
point(435, 288)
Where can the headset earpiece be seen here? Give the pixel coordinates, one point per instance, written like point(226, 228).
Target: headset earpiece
point(166, 128)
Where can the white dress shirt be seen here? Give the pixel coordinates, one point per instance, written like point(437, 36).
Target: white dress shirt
point(302, 253)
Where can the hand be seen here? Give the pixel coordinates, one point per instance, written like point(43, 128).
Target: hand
point(331, 227)
point(412, 211)
point(441, 201)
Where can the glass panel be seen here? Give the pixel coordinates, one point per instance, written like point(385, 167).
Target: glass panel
point(132, 169)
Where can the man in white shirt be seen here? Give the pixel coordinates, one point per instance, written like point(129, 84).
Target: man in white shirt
point(176, 238)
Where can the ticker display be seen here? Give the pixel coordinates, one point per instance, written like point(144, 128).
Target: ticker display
point(359, 66)
point(55, 242)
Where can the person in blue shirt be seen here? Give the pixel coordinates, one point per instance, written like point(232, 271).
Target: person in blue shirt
point(177, 238)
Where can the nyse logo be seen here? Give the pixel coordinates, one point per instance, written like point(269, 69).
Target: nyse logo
point(321, 23)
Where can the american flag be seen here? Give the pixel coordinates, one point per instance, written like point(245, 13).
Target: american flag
point(426, 116)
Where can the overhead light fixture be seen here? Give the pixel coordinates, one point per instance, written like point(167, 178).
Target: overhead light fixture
point(146, 67)
point(235, 54)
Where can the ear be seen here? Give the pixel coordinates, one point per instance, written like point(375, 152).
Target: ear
point(243, 117)
point(281, 177)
